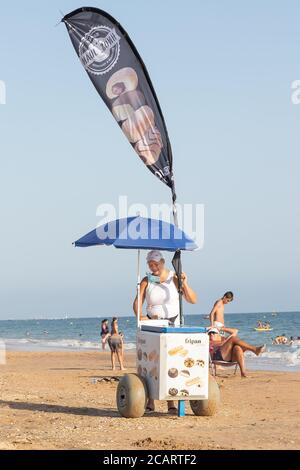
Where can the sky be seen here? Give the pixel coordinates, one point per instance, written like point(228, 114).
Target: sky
point(223, 73)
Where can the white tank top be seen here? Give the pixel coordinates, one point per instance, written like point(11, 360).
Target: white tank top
point(163, 299)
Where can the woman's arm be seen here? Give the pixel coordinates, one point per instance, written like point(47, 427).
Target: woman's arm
point(231, 331)
point(224, 341)
point(143, 288)
point(188, 293)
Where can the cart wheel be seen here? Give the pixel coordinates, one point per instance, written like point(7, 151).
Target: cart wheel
point(132, 396)
point(210, 406)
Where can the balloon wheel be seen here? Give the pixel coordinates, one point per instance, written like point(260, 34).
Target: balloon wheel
point(210, 406)
point(132, 396)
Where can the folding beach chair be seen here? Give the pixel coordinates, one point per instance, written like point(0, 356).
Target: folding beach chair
point(213, 365)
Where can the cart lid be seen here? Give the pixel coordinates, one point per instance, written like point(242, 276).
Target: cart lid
point(172, 329)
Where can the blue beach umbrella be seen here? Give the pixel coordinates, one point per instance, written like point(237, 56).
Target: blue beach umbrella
point(141, 233)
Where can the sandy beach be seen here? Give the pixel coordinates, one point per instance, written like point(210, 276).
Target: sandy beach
point(49, 400)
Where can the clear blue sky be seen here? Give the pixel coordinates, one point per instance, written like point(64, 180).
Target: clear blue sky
point(223, 74)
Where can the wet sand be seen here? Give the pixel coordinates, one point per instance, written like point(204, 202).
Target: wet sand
point(50, 400)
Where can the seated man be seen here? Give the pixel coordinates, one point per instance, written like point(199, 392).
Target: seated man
point(231, 349)
point(217, 314)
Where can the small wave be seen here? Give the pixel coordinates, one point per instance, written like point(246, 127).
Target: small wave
point(288, 356)
point(129, 346)
point(28, 343)
point(52, 344)
point(15, 341)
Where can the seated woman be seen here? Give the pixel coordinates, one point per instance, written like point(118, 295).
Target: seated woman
point(231, 349)
point(160, 290)
point(115, 342)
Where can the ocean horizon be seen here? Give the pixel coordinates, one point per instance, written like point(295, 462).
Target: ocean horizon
point(74, 316)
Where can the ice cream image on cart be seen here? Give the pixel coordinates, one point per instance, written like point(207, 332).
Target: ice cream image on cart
point(172, 362)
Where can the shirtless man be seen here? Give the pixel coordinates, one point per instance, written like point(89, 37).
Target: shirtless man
point(217, 314)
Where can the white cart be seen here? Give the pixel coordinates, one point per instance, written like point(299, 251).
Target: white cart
point(172, 364)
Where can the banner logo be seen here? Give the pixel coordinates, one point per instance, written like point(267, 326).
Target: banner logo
point(121, 80)
point(99, 50)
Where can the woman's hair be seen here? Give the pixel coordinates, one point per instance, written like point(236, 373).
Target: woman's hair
point(104, 321)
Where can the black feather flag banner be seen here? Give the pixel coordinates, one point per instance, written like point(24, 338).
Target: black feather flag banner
point(122, 80)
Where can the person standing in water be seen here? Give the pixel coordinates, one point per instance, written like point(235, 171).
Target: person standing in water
point(217, 314)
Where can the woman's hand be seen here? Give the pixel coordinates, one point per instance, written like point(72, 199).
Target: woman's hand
point(189, 295)
point(184, 279)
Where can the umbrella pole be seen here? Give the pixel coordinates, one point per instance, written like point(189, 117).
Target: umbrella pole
point(139, 289)
point(175, 215)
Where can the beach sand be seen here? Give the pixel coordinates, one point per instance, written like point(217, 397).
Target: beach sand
point(49, 401)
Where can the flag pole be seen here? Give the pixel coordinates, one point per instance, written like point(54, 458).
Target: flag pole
point(139, 289)
point(179, 269)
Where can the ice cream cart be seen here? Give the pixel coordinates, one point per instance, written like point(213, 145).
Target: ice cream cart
point(172, 364)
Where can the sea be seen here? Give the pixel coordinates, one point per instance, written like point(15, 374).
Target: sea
point(81, 334)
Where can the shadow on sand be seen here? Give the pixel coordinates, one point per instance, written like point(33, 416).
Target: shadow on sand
point(45, 408)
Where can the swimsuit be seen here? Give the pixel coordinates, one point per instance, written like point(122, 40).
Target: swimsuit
point(104, 332)
point(217, 355)
point(218, 324)
point(115, 343)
